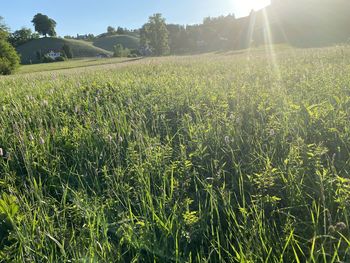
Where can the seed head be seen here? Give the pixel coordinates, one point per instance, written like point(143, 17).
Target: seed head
point(340, 226)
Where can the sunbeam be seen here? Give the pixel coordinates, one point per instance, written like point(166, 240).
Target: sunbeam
point(268, 40)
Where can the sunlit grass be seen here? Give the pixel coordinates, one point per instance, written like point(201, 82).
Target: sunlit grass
point(210, 158)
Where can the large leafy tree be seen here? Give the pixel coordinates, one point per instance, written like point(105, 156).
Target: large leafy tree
point(44, 25)
point(155, 35)
point(3, 29)
point(9, 59)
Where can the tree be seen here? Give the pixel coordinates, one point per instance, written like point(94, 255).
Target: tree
point(120, 51)
point(3, 29)
point(155, 35)
point(44, 25)
point(120, 31)
point(21, 36)
point(67, 51)
point(110, 30)
point(9, 59)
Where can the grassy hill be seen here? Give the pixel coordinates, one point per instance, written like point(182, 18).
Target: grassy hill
point(29, 50)
point(109, 42)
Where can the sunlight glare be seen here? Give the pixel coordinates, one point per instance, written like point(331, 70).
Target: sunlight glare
point(253, 4)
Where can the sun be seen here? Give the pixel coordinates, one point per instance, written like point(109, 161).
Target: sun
point(253, 4)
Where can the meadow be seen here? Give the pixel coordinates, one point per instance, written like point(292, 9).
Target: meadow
point(240, 157)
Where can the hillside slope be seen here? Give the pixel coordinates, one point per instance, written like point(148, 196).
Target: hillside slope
point(28, 51)
point(109, 42)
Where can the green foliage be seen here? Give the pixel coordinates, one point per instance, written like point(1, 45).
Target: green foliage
point(9, 59)
point(47, 59)
point(61, 58)
point(22, 36)
point(111, 30)
point(3, 29)
point(213, 158)
point(120, 51)
point(120, 31)
point(44, 25)
point(155, 35)
point(67, 50)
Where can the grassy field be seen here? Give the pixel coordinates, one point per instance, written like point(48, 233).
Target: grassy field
point(72, 64)
point(212, 158)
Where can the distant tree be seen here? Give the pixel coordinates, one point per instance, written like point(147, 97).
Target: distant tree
point(111, 30)
point(67, 51)
point(120, 30)
point(21, 36)
point(178, 39)
point(155, 35)
point(118, 50)
point(44, 25)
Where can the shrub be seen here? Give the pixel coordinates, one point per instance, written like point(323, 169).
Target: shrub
point(61, 58)
point(118, 50)
point(132, 55)
point(67, 50)
point(47, 59)
point(9, 59)
point(135, 52)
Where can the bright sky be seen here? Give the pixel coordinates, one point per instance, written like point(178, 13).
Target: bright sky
point(93, 16)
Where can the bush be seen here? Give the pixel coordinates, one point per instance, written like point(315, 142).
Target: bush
point(47, 59)
point(9, 59)
point(61, 58)
point(132, 55)
point(135, 52)
point(120, 51)
point(67, 50)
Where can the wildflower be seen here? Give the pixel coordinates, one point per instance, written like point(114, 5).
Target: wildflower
point(109, 137)
point(340, 226)
point(41, 140)
point(272, 132)
point(76, 109)
point(45, 103)
point(227, 139)
point(4, 154)
point(120, 139)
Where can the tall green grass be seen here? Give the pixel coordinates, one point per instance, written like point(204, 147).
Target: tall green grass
point(193, 159)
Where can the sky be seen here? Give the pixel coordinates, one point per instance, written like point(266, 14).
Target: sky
point(93, 16)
